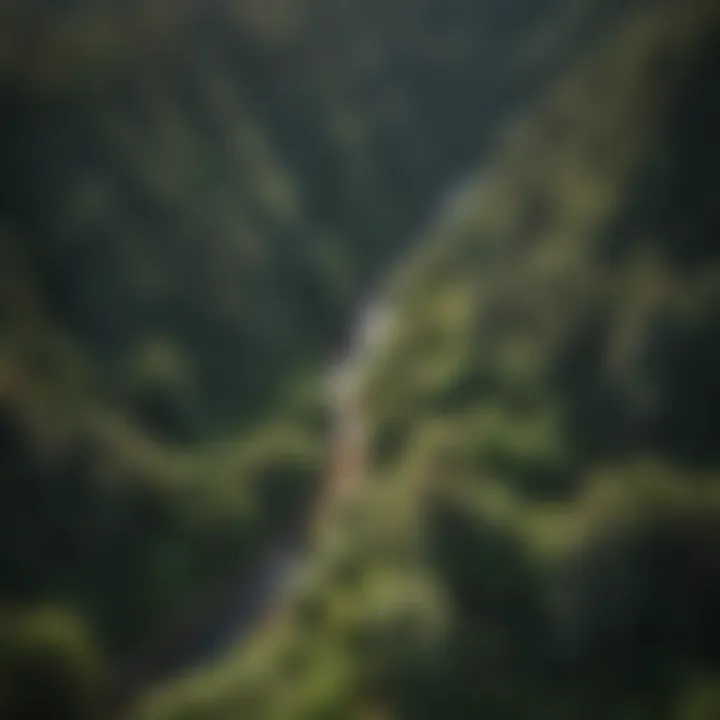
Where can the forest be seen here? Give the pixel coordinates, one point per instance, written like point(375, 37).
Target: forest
point(358, 360)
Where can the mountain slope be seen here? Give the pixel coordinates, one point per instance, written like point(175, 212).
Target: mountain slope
point(194, 195)
point(539, 536)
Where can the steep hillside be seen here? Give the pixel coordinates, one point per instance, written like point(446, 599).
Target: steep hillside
point(539, 537)
point(194, 195)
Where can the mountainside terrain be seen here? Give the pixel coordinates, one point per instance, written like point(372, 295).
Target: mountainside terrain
point(539, 532)
point(195, 195)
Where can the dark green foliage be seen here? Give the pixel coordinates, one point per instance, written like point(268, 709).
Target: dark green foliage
point(48, 667)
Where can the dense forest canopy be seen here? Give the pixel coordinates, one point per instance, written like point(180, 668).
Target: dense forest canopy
point(195, 198)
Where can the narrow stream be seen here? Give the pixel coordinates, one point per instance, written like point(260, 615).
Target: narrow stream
point(234, 611)
point(237, 609)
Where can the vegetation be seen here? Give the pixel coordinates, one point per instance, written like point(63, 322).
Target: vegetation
point(194, 197)
point(539, 537)
point(48, 666)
